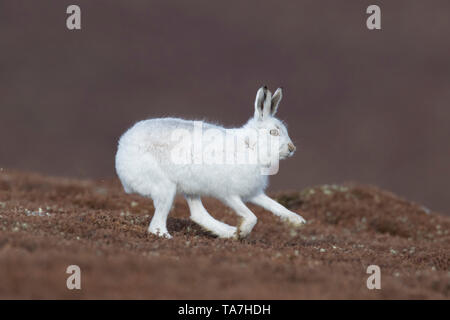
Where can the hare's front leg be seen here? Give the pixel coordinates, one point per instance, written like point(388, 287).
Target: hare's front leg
point(248, 218)
point(204, 219)
point(277, 209)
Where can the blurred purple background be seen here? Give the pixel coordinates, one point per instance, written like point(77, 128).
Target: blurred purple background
point(365, 106)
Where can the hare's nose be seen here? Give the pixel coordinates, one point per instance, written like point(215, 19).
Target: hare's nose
point(291, 147)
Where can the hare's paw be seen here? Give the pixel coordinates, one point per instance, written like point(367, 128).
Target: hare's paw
point(245, 227)
point(159, 232)
point(226, 232)
point(295, 220)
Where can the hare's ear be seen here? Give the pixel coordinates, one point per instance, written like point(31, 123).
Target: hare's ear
point(276, 98)
point(261, 103)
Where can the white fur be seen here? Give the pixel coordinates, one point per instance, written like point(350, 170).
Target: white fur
point(144, 166)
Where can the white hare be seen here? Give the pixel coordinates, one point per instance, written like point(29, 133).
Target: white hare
point(146, 166)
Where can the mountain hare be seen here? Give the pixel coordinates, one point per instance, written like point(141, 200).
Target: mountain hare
point(148, 163)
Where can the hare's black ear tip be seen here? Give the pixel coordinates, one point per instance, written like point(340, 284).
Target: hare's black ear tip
point(265, 87)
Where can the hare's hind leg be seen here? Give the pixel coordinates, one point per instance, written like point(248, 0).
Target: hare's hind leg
point(277, 209)
point(162, 201)
point(203, 218)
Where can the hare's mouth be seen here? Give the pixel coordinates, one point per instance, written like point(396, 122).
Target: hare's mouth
point(285, 155)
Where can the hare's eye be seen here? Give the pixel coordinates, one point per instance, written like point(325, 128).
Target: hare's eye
point(274, 132)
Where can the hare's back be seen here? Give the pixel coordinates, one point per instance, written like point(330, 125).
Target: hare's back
point(166, 129)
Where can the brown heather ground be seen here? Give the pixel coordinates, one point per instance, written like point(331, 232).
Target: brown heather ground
point(97, 226)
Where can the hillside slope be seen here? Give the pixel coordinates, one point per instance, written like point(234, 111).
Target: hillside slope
point(48, 223)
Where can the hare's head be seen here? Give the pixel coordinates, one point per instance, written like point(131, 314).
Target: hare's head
point(266, 106)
